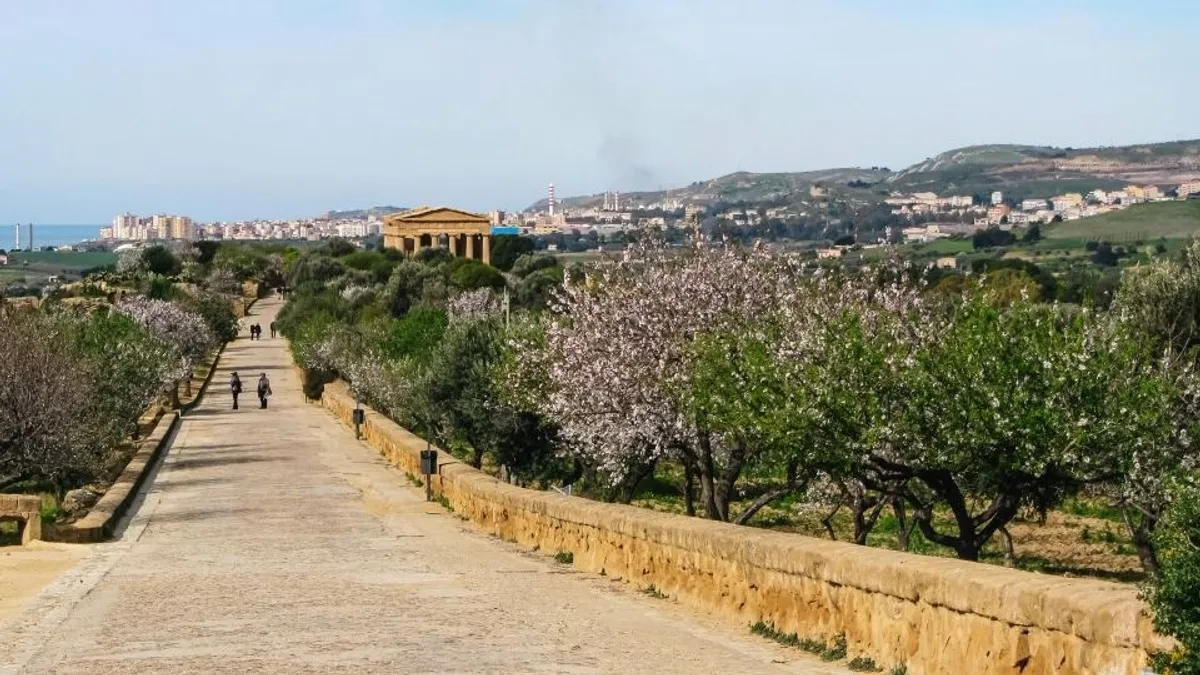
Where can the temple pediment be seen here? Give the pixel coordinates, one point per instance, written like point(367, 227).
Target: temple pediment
point(438, 218)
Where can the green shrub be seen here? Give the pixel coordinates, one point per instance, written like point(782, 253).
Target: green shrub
point(507, 248)
point(417, 334)
point(1175, 596)
point(564, 557)
point(160, 260)
point(217, 313)
point(374, 262)
point(315, 380)
point(469, 275)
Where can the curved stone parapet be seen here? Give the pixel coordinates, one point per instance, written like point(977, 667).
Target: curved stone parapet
point(933, 615)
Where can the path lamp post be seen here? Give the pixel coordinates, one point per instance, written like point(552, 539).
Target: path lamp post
point(429, 467)
point(359, 415)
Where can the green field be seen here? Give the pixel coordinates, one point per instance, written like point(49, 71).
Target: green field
point(944, 247)
point(1145, 222)
point(34, 268)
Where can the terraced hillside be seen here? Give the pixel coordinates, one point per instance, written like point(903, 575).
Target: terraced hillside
point(1020, 171)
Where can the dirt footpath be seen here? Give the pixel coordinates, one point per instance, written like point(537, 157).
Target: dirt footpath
point(272, 542)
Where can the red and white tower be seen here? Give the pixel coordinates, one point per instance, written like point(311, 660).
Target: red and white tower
point(551, 198)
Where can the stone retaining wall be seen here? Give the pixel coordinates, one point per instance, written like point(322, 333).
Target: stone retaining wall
point(26, 510)
point(933, 615)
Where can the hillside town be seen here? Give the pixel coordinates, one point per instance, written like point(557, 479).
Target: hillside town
point(936, 216)
point(999, 213)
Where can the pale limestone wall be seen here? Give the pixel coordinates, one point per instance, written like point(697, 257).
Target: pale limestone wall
point(936, 615)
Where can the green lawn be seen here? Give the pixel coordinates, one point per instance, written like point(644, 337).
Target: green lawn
point(63, 260)
point(944, 247)
point(1146, 222)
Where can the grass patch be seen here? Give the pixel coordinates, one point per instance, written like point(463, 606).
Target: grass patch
point(763, 629)
point(413, 479)
point(50, 513)
point(441, 499)
point(1085, 507)
point(835, 651)
point(10, 533)
point(564, 557)
point(653, 592)
point(899, 670)
point(863, 664)
point(945, 247)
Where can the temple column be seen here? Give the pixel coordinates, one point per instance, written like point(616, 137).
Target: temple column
point(470, 252)
point(487, 249)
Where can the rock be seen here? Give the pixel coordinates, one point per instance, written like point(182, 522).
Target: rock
point(80, 500)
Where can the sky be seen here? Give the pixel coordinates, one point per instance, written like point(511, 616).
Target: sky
point(239, 109)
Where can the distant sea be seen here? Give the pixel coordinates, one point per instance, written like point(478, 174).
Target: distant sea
point(49, 235)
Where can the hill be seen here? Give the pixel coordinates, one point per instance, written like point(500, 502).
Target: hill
point(742, 186)
point(1023, 171)
point(1020, 171)
point(1169, 220)
point(359, 214)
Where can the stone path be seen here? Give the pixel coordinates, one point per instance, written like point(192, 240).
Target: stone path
point(272, 542)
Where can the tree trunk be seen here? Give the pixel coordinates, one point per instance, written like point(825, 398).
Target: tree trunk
point(626, 491)
point(771, 495)
point(726, 485)
point(827, 521)
point(708, 492)
point(973, 532)
point(477, 458)
point(1006, 545)
point(175, 394)
point(689, 488)
point(1141, 532)
point(903, 527)
point(866, 514)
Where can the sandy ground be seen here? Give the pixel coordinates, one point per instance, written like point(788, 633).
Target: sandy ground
point(272, 542)
point(26, 570)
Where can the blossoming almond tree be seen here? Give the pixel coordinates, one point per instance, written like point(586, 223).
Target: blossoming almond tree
point(1016, 407)
point(617, 358)
point(814, 383)
point(185, 332)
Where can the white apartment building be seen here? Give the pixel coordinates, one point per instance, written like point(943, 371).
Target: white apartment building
point(1033, 204)
point(124, 226)
point(997, 198)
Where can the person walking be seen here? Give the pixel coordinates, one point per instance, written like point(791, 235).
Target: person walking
point(264, 390)
point(272, 329)
point(235, 387)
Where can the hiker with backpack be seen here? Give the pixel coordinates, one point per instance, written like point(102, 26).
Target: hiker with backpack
point(264, 390)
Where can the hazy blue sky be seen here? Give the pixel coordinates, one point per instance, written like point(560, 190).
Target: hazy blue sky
point(231, 109)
